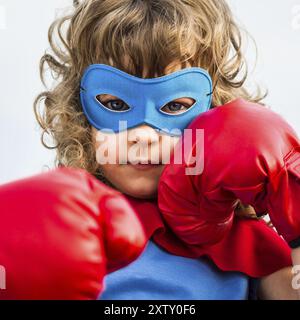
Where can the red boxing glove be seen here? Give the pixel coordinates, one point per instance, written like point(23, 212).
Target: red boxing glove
point(61, 232)
point(250, 153)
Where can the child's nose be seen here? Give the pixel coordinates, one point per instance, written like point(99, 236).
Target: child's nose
point(144, 134)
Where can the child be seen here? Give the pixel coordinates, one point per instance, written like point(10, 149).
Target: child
point(151, 39)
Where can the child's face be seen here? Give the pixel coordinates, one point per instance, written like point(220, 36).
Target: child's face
point(138, 180)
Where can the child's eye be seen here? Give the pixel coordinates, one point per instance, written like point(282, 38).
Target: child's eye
point(114, 105)
point(175, 108)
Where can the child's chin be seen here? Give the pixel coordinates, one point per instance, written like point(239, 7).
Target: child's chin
point(142, 191)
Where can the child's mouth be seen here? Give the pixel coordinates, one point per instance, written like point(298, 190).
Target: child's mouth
point(147, 166)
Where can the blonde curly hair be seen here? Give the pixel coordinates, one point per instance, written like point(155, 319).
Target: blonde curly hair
point(152, 33)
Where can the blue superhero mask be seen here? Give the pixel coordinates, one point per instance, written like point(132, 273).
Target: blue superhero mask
point(145, 98)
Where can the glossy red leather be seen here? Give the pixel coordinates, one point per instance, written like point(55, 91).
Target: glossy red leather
point(250, 153)
point(61, 232)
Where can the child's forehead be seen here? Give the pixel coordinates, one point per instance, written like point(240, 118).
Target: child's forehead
point(175, 65)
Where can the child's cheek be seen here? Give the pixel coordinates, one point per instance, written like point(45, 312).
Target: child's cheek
point(167, 146)
point(111, 148)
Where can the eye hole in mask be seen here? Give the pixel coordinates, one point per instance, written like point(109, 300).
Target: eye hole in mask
point(174, 107)
point(114, 105)
point(178, 106)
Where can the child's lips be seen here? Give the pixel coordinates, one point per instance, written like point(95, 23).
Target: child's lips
point(147, 166)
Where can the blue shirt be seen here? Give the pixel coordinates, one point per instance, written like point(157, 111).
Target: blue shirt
point(159, 275)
